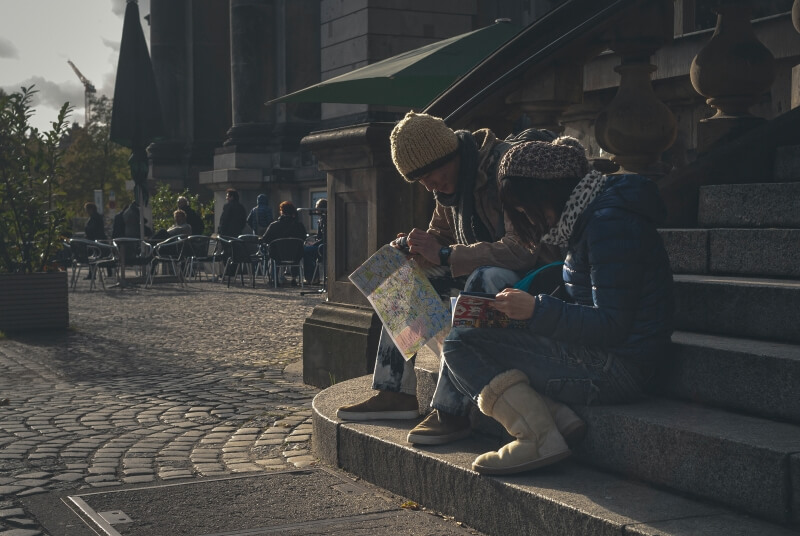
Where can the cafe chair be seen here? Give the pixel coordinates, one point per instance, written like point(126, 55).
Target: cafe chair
point(201, 250)
point(237, 255)
point(91, 255)
point(257, 253)
point(286, 253)
point(168, 253)
point(133, 252)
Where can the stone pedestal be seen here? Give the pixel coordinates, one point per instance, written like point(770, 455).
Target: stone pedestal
point(368, 204)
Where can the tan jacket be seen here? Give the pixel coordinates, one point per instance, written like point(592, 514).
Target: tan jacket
point(507, 251)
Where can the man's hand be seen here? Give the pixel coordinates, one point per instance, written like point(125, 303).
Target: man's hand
point(515, 303)
point(400, 244)
point(424, 244)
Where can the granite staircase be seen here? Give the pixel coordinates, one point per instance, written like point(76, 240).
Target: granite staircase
point(715, 449)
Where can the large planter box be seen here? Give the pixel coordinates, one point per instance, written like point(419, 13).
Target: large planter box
point(34, 301)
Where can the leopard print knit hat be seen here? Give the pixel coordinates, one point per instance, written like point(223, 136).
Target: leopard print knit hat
point(421, 143)
point(564, 158)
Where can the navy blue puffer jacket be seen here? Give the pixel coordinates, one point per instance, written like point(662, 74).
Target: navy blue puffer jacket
point(617, 274)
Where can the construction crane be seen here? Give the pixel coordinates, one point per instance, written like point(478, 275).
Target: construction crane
point(88, 90)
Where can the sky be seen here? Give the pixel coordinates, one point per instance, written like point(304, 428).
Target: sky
point(37, 37)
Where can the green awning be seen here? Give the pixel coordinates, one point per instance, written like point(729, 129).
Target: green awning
point(413, 78)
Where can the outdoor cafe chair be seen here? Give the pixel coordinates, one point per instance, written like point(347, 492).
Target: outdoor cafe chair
point(169, 252)
point(92, 255)
point(258, 254)
point(132, 252)
point(201, 250)
point(238, 254)
point(286, 253)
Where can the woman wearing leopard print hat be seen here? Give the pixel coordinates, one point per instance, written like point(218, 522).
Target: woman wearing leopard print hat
point(601, 343)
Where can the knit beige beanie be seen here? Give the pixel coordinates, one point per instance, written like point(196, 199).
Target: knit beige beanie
point(420, 144)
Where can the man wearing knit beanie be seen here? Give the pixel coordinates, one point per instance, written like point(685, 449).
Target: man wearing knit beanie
point(469, 237)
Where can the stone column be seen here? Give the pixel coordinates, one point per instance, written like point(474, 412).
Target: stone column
point(636, 127)
point(211, 87)
point(168, 51)
point(368, 204)
point(252, 73)
point(733, 70)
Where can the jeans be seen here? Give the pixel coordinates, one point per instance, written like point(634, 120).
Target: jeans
point(394, 373)
point(564, 371)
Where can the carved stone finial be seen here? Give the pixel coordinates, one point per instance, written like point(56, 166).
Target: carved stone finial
point(636, 127)
point(732, 71)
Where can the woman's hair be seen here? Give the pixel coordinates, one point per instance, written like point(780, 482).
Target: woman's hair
point(536, 197)
point(287, 208)
point(233, 193)
point(90, 207)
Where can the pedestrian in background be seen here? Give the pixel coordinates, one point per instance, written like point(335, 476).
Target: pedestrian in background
point(233, 218)
point(192, 217)
point(261, 215)
point(94, 229)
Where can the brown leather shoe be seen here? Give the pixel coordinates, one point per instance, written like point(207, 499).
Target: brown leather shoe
point(383, 405)
point(439, 428)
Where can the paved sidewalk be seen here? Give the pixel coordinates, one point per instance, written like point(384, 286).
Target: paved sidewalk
point(150, 385)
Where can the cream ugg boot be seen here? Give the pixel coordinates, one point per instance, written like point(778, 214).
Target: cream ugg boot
point(510, 400)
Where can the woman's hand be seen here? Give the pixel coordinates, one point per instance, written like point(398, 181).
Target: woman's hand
point(515, 303)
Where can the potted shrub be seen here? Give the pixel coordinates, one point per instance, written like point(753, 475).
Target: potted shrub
point(33, 291)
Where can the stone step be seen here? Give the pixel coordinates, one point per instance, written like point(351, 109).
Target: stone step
point(753, 308)
point(752, 252)
point(754, 377)
point(664, 442)
point(787, 163)
point(750, 205)
point(568, 499)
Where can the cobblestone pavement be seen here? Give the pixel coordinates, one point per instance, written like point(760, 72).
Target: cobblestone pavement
point(154, 384)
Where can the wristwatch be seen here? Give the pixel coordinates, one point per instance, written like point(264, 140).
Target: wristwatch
point(444, 255)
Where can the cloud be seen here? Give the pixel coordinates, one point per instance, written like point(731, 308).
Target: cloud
point(7, 49)
point(113, 45)
point(50, 94)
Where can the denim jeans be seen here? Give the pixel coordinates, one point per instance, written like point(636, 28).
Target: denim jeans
point(564, 371)
point(394, 373)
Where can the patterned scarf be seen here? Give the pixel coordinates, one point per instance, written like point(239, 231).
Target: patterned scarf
point(583, 194)
point(469, 229)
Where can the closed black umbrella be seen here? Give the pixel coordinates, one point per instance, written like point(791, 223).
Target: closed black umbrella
point(136, 115)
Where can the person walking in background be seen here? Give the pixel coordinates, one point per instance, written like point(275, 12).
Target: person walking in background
point(286, 226)
point(261, 215)
point(192, 217)
point(94, 229)
point(234, 217)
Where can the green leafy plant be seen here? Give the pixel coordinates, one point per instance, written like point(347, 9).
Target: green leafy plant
point(165, 202)
point(93, 162)
point(32, 220)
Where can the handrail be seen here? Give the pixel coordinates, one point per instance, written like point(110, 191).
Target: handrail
point(590, 25)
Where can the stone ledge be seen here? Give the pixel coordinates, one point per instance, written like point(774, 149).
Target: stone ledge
point(566, 499)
